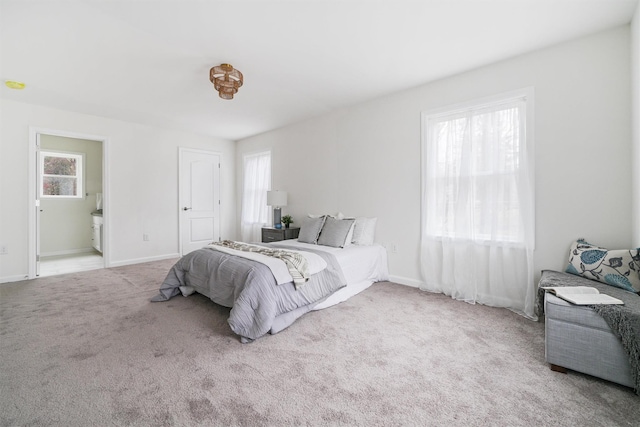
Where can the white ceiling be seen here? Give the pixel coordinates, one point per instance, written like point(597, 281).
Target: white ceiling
point(148, 61)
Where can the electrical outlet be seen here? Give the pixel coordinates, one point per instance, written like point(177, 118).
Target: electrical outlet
point(3, 249)
point(145, 237)
point(394, 248)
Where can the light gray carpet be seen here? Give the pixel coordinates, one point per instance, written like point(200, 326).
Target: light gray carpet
point(90, 349)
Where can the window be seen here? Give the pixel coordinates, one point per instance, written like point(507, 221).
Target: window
point(474, 163)
point(256, 183)
point(477, 233)
point(61, 175)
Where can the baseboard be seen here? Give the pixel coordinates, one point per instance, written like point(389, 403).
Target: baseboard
point(67, 252)
point(17, 278)
point(395, 279)
point(405, 281)
point(142, 260)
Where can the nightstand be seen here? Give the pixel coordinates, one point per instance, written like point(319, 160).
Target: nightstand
point(270, 234)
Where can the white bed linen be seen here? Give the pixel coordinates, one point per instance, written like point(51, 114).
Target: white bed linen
point(361, 266)
point(278, 267)
point(343, 294)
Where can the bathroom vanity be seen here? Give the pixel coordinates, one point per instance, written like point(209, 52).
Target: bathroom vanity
point(96, 226)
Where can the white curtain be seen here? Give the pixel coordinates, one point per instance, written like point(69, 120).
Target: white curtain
point(256, 183)
point(478, 206)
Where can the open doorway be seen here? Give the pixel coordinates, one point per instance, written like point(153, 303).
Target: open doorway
point(69, 220)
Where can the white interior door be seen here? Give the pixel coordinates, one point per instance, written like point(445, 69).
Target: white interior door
point(199, 199)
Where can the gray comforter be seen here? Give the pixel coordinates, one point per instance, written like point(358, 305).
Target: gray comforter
point(258, 304)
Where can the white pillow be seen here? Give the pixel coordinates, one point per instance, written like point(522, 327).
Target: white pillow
point(349, 240)
point(364, 231)
point(339, 215)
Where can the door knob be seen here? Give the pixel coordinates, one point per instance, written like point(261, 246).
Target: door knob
point(185, 208)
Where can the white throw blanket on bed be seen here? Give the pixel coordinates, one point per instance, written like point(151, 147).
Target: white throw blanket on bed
point(286, 266)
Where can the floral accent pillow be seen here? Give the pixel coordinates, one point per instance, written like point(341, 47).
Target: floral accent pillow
point(619, 268)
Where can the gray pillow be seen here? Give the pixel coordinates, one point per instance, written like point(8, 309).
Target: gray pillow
point(310, 230)
point(335, 231)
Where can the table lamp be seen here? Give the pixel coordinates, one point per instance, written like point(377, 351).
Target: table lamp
point(277, 199)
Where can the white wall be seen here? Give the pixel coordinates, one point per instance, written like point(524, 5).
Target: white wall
point(635, 114)
point(303, 163)
point(365, 160)
point(143, 187)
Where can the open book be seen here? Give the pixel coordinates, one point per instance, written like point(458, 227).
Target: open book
point(581, 295)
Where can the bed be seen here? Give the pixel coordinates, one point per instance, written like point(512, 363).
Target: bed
point(261, 301)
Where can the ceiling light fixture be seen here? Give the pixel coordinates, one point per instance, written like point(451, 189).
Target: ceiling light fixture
point(14, 85)
point(226, 80)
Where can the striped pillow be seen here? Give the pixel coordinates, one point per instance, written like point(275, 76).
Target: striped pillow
point(335, 231)
point(310, 230)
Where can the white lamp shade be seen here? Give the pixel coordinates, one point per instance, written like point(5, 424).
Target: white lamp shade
point(276, 198)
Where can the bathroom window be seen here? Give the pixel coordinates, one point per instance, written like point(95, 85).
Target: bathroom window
point(61, 175)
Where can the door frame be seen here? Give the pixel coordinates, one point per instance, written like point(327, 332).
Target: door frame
point(181, 151)
point(34, 200)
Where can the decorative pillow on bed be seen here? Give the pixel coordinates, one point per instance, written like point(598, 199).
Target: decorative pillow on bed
point(364, 231)
point(349, 240)
point(619, 268)
point(335, 232)
point(310, 230)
